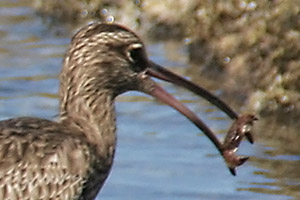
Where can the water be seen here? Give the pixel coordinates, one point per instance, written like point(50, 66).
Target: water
point(160, 154)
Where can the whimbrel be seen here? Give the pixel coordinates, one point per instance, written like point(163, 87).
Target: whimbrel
point(71, 158)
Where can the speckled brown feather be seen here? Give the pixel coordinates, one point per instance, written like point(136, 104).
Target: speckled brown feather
point(37, 164)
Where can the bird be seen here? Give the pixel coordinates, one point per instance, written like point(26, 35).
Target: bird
point(70, 159)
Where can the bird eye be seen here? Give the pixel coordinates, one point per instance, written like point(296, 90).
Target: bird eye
point(137, 56)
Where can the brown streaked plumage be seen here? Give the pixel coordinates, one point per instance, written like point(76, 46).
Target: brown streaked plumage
point(70, 159)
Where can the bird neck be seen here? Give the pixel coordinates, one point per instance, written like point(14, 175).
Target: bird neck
point(92, 112)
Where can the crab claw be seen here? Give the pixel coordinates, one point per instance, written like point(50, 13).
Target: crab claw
point(233, 161)
point(240, 128)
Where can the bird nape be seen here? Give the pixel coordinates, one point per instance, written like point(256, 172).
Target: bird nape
point(72, 157)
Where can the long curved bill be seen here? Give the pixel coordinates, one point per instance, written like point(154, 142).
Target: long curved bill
point(161, 73)
point(240, 128)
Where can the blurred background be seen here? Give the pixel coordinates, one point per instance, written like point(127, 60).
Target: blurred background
point(246, 52)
